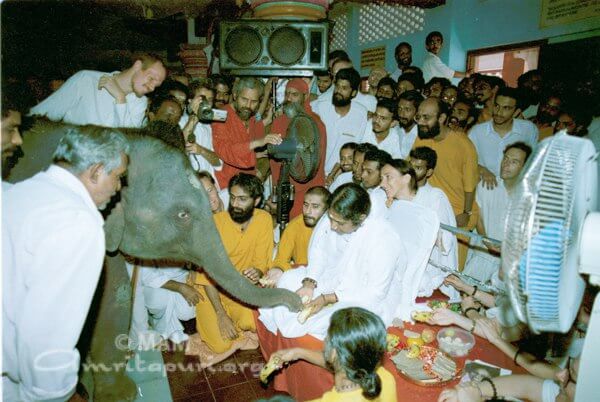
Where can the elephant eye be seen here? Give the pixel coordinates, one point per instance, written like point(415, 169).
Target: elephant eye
point(183, 214)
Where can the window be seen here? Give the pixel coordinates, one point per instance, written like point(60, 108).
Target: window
point(507, 62)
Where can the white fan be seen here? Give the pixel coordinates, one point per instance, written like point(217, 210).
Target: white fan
point(551, 237)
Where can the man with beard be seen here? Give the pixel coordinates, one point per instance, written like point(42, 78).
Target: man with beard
point(222, 90)
point(548, 112)
point(297, 97)
point(409, 82)
point(371, 168)
point(236, 139)
point(457, 170)
point(344, 120)
point(386, 89)
point(110, 100)
point(382, 131)
point(359, 158)
point(530, 84)
point(293, 247)
point(492, 137)
point(225, 325)
point(344, 173)
point(574, 119)
point(466, 87)
point(486, 87)
point(462, 116)
point(408, 103)
point(403, 56)
point(10, 126)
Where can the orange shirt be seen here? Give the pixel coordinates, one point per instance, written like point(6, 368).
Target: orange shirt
point(293, 245)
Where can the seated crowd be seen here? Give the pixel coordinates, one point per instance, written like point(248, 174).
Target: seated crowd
point(364, 238)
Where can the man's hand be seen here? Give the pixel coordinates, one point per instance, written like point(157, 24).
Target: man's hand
point(305, 291)
point(226, 326)
point(110, 83)
point(274, 139)
point(468, 302)
point(272, 276)
point(443, 316)
point(488, 178)
point(192, 148)
point(456, 283)
point(252, 274)
point(285, 356)
point(190, 294)
point(490, 329)
point(462, 220)
point(461, 393)
point(316, 305)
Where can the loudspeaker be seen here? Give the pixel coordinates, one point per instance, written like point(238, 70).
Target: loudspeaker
point(273, 48)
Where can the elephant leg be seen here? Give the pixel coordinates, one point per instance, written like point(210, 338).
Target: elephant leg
point(109, 336)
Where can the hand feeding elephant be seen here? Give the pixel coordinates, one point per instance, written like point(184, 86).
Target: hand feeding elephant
point(163, 214)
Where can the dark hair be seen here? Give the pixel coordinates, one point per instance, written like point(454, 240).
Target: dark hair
point(165, 131)
point(415, 79)
point(16, 97)
point(203, 174)
point(321, 73)
point(196, 85)
point(172, 85)
point(402, 44)
point(444, 82)
point(491, 80)
point(349, 145)
point(350, 75)
point(322, 192)
point(387, 81)
point(522, 146)
point(432, 35)
point(512, 93)
point(413, 70)
point(526, 76)
point(249, 183)
point(338, 54)
point(157, 102)
point(351, 201)
point(379, 156)
point(425, 154)
point(443, 107)
point(403, 167)
point(359, 339)
point(580, 115)
point(389, 104)
point(413, 96)
point(364, 147)
point(223, 80)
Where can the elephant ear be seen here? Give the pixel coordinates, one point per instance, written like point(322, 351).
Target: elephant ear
point(114, 228)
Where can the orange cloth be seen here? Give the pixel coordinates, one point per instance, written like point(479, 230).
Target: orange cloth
point(231, 142)
point(545, 132)
point(387, 394)
point(293, 246)
point(280, 126)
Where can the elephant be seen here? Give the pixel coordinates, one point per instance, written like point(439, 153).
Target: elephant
point(163, 214)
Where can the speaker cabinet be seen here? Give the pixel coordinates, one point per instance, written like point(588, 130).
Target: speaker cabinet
point(273, 48)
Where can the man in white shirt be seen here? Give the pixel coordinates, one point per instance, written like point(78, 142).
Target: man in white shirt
point(200, 146)
point(105, 99)
point(10, 126)
point(408, 104)
point(492, 137)
point(433, 65)
point(483, 258)
point(344, 120)
point(52, 255)
point(403, 56)
point(382, 130)
point(343, 174)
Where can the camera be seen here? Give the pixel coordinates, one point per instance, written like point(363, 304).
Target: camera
point(207, 113)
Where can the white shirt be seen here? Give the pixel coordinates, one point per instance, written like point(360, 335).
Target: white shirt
point(490, 146)
point(407, 140)
point(391, 143)
point(52, 253)
point(79, 101)
point(203, 134)
point(342, 178)
point(340, 130)
point(433, 66)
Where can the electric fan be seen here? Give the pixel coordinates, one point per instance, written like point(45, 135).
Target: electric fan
point(550, 239)
point(299, 153)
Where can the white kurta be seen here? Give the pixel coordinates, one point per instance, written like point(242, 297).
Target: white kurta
point(203, 134)
point(391, 144)
point(364, 269)
point(490, 146)
point(407, 140)
point(161, 308)
point(79, 101)
point(493, 206)
point(52, 254)
point(340, 129)
point(433, 66)
point(446, 247)
point(342, 178)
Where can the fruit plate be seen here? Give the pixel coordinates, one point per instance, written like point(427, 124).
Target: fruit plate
point(430, 368)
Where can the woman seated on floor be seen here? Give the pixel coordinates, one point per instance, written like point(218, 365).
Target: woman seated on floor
point(354, 348)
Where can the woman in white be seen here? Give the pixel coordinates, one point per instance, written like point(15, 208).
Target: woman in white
point(354, 261)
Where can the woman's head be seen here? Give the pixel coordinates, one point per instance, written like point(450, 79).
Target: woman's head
point(356, 343)
point(349, 207)
point(398, 176)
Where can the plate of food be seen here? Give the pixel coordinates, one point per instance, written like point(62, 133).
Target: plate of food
point(426, 366)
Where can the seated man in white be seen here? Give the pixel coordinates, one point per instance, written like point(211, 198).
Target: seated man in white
point(342, 172)
point(483, 258)
point(354, 260)
point(382, 130)
point(162, 299)
point(423, 160)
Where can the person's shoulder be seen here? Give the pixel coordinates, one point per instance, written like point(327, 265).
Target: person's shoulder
point(262, 216)
point(358, 109)
point(221, 218)
point(525, 125)
point(479, 128)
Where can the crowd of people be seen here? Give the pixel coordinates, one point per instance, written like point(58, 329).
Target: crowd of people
point(364, 240)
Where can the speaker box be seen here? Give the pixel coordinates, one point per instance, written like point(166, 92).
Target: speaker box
point(273, 48)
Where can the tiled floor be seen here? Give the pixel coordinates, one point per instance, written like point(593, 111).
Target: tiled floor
point(234, 380)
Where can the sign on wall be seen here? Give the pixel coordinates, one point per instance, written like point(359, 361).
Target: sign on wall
point(559, 12)
point(372, 57)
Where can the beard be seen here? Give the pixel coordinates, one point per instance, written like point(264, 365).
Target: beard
point(239, 215)
point(453, 122)
point(405, 123)
point(309, 221)
point(425, 132)
point(244, 113)
point(339, 100)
